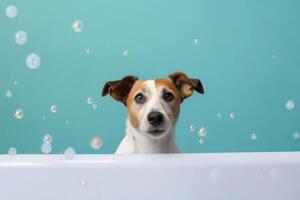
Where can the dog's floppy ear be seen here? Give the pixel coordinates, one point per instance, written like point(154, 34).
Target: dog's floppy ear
point(186, 85)
point(119, 89)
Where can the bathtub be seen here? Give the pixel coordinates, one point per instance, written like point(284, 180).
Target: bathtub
point(232, 176)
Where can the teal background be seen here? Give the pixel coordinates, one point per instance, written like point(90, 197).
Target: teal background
point(247, 59)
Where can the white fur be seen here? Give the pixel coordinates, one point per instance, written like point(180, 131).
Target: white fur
point(139, 141)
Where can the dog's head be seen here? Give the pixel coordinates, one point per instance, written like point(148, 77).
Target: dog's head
point(153, 105)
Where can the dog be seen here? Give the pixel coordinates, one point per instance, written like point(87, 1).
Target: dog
point(153, 109)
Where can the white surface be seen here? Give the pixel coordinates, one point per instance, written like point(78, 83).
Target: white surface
point(232, 176)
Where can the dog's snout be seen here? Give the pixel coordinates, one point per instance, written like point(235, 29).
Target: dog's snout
point(155, 118)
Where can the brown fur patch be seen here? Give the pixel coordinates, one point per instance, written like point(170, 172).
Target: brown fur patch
point(168, 84)
point(131, 106)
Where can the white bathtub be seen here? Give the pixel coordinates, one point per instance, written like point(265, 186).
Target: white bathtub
point(232, 176)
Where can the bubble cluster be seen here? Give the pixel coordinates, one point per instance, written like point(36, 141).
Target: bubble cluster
point(11, 11)
point(196, 41)
point(96, 142)
point(125, 53)
point(12, 151)
point(19, 113)
point(69, 153)
point(21, 37)
point(46, 148)
point(202, 132)
point(77, 26)
point(33, 61)
point(290, 105)
point(8, 93)
point(47, 139)
point(192, 127)
point(53, 108)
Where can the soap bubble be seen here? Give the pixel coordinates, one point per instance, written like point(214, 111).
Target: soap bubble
point(47, 139)
point(11, 11)
point(46, 148)
point(196, 41)
point(19, 113)
point(273, 56)
point(43, 117)
point(125, 53)
point(274, 173)
point(12, 151)
point(83, 183)
point(201, 141)
point(88, 51)
point(202, 132)
point(253, 136)
point(96, 142)
point(94, 106)
point(232, 115)
point(296, 135)
point(21, 37)
point(15, 83)
point(219, 115)
point(192, 127)
point(8, 93)
point(33, 61)
point(89, 100)
point(77, 26)
point(67, 122)
point(53, 108)
point(69, 153)
point(290, 105)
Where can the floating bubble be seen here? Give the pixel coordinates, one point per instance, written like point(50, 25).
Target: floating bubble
point(290, 105)
point(296, 135)
point(12, 151)
point(77, 26)
point(11, 11)
point(43, 118)
point(125, 53)
point(201, 141)
point(8, 93)
point(273, 56)
point(232, 115)
point(219, 115)
point(96, 142)
point(70, 153)
point(202, 132)
point(47, 139)
point(53, 108)
point(19, 113)
point(274, 173)
point(94, 106)
point(15, 83)
point(33, 61)
point(88, 51)
point(192, 127)
point(83, 183)
point(89, 100)
point(67, 122)
point(196, 41)
point(46, 148)
point(253, 136)
point(21, 37)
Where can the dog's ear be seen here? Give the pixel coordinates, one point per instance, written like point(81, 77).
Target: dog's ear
point(119, 89)
point(186, 85)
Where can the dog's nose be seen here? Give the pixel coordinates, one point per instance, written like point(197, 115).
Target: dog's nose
point(155, 118)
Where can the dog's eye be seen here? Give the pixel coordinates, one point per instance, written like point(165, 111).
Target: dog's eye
point(168, 96)
point(140, 98)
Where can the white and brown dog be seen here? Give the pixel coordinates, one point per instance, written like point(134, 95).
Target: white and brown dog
point(153, 109)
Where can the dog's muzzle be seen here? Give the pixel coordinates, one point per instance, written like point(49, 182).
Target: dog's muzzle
point(155, 118)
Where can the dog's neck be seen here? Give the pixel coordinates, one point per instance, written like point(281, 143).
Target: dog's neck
point(144, 144)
